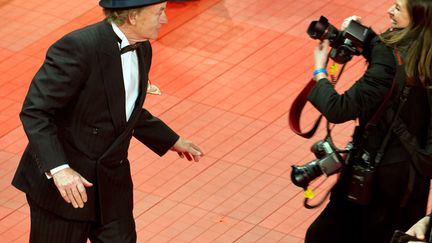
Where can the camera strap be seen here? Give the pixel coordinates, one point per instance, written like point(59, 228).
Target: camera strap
point(296, 110)
point(374, 120)
point(300, 102)
point(403, 97)
point(381, 109)
point(394, 124)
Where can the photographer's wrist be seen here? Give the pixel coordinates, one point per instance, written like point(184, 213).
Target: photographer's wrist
point(319, 73)
point(320, 76)
point(319, 70)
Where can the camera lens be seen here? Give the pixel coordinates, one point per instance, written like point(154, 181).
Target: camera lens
point(323, 30)
point(317, 30)
point(354, 40)
point(301, 176)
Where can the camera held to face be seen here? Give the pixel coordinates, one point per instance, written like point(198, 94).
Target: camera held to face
point(352, 41)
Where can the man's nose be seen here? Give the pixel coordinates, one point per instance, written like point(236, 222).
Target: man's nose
point(390, 10)
point(163, 19)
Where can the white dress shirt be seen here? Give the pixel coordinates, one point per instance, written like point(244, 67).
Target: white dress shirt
point(130, 73)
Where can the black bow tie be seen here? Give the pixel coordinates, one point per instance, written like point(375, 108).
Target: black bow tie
point(130, 47)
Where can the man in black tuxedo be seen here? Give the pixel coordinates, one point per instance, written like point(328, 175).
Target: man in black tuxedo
point(81, 111)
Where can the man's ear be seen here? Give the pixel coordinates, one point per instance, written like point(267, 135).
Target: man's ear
point(131, 18)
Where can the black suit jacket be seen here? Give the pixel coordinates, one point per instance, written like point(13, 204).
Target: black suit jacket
point(74, 113)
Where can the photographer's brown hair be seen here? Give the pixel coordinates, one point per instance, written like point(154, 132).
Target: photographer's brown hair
point(416, 40)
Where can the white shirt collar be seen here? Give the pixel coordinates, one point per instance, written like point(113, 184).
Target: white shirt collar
point(119, 33)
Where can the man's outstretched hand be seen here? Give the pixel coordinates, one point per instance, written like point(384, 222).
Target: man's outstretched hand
point(186, 148)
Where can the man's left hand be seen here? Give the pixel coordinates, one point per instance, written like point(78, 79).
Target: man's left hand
point(186, 148)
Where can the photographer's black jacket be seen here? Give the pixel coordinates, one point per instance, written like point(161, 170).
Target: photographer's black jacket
point(364, 97)
point(361, 101)
point(399, 193)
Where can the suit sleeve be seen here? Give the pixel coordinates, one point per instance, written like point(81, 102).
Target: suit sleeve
point(154, 133)
point(150, 130)
point(361, 99)
point(55, 84)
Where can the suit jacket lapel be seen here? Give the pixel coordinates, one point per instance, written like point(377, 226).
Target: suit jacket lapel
point(143, 74)
point(112, 74)
point(143, 79)
point(113, 80)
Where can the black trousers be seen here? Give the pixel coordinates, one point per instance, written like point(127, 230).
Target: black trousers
point(47, 227)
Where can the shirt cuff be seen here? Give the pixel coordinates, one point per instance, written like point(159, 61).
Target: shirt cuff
point(55, 170)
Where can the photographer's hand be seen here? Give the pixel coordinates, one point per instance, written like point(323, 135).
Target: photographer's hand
point(321, 57)
point(420, 228)
point(348, 20)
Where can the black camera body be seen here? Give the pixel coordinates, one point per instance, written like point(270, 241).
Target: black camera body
point(331, 160)
point(361, 174)
point(352, 41)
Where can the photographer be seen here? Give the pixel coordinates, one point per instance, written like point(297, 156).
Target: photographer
point(399, 192)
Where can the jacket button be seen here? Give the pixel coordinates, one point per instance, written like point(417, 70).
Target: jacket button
point(121, 161)
point(95, 131)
